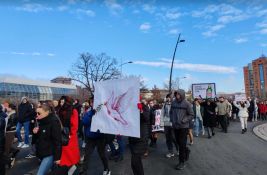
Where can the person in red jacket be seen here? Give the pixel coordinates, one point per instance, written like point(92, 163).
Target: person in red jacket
point(265, 111)
point(262, 110)
point(69, 118)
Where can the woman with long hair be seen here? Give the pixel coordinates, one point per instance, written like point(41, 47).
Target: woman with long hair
point(69, 119)
point(48, 138)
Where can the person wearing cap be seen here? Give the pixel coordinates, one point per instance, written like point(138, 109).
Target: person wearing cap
point(25, 115)
point(181, 113)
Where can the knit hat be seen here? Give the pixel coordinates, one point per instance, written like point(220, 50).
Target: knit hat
point(23, 99)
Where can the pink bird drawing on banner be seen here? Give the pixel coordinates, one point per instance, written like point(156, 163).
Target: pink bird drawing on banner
point(116, 106)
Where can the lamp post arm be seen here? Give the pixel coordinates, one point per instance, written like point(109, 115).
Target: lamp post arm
point(170, 81)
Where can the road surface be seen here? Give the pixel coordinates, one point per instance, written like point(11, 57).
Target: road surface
point(232, 154)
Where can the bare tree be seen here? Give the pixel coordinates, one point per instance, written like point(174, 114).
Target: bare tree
point(143, 86)
point(93, 68)
point(175, 84)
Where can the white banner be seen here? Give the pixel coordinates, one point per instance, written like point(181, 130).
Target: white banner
point(204, 90)
point(117, 103)
point(157, 126)
point(241, 97)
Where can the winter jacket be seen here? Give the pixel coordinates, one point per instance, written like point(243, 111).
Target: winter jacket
point(25, 112)
point(87, 121)
point(71, 153)
point(209, 117)
point(165, 119)
point(181, 112)
point(201, 111)
point(139, 145)
point(222, 108)
point(262, 108)
point(243, 112)
point(152, 115)
point(251, 107)
point(11, 122)
point(48, 138)
point(2, 131)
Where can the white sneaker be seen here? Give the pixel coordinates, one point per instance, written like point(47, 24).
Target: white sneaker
point(83, 145)
point(169, 155)
point(107, 172)
point(25, 146)
point(20, 144)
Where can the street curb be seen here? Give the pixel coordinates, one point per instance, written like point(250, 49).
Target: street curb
point(261, 131)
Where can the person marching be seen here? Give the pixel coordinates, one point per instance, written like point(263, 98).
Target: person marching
point(181, 113)
point(138, 146)
point(168, 130)
point(243, 114)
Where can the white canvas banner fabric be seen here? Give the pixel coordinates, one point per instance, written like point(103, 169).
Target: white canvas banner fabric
point(241, 97)
point(116, 101)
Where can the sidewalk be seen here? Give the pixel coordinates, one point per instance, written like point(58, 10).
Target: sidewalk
point(261, 131)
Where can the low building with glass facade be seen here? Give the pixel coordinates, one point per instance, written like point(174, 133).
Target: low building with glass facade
point(16, 88)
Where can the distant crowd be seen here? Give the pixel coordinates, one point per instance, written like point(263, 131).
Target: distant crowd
point(58, 133)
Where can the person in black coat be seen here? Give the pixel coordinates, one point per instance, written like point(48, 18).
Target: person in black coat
point(251, 109)
point(2, 140)
point(25, 115)
point(209, 117)
point(11, 132)
point(48, 138)
point(138, 146)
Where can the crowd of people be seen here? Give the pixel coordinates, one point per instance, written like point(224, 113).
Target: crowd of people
point(59, 132)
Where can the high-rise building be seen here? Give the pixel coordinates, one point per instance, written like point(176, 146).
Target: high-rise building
point(255, 78)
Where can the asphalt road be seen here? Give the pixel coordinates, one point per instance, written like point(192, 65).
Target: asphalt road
point(225, 154)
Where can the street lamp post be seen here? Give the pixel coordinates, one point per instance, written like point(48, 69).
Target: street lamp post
point(170, 81)
point(129, 62)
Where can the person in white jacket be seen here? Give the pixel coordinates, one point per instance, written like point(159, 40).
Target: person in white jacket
point(243, 114)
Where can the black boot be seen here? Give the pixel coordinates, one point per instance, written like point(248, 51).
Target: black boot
point(243, 131)
point(180, 166)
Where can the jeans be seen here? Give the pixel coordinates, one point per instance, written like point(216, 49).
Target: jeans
point(46, 165)
point(181, 138)
point(121, 148)
point(198, 126)
point(26, 126)
point(91, 143)
point(170, 140)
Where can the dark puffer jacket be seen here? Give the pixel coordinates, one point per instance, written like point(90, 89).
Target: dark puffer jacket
point(48, 138)
point(139, 145)
point(25, 112)
point(181, 112)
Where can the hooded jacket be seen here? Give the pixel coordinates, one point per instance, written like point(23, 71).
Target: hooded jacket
point(181, 112)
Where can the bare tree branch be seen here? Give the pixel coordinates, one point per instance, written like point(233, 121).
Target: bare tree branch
point(89, 69)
